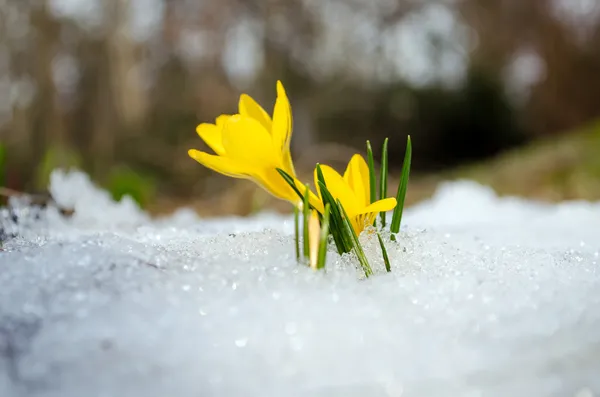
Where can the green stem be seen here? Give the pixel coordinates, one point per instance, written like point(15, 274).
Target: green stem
point(384, 253)
point(360, 254)
point(402, 187)
point(297, 232)
point(305, 216)
point(383, 178)
point(372, 180)
point(323, 238)
point(337, 228)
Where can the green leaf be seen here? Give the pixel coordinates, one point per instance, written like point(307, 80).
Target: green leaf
point(337, 228)
point(290, 181)
point(336, 225)
point(297, 232)
point(320, 177)
point(323, 238)
point(342, 243)
point(306, 205)
point(401, 195)
point(360, 254)
point(386, 259)
point(56, 156)
point(383, 177)
point(372, 181)
point(123, 181)
point(305, 216)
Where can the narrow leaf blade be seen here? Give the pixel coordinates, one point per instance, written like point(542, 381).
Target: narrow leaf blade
point(337, 224)
point(305, 217)
point(372, 181)
point(290, 181)
point(383, 178)
point(314, 239)
point(384, 253)
point(324, 235)
point(297, 232)
point(360, 254)
point(402, 187)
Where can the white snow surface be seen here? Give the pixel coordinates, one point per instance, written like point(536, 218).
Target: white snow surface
point(488, 296)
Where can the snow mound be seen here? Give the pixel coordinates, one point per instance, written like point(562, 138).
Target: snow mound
point(488, 296)
point(92, 206)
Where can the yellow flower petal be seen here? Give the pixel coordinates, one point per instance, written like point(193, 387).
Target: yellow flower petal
point(222, 165)
point(380, 206)
point(211, 135)
point(358, 224)
point(366, 216)
point(357, 177)
point(339, 189)
point(282, 127)
point(288, 165)
point(274, 183)
point(222, 119)
point(267, 178)
point(250, 108)
point(252, 145)
point(313, 199)
point(246, 141)
point(315, 202)
point(282, 121)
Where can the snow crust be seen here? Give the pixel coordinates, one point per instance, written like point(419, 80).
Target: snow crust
point(488, 296)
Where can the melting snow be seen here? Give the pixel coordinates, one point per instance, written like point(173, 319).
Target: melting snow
point(488, 297)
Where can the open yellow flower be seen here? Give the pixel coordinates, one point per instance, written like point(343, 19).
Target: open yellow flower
point(353, 191)
point(252, 145)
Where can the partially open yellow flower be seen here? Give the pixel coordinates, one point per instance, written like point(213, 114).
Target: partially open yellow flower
point(353, 191)
point(252, 145)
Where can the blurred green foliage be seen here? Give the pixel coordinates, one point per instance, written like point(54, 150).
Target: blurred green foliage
point(57, 156)
point(123, 181)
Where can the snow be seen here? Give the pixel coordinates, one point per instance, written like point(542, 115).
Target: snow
point(488, 296)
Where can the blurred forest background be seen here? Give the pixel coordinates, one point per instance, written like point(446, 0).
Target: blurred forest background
point(506, 92)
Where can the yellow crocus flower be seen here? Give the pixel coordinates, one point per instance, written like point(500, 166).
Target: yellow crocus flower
point(252, 145)
point(353, 191)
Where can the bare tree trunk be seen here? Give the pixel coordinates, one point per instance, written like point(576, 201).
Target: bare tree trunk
point(48, 131)
point(125, 77)
point(49, 126)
